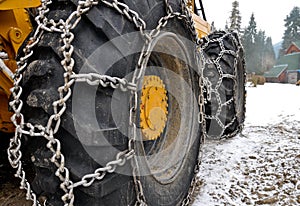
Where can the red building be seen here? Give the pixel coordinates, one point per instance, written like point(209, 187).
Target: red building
point(287, 68)
point(293, 48)
point(277, 74)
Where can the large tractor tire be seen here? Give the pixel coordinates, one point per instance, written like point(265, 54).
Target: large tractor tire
point(224, 77)
point(166, 116)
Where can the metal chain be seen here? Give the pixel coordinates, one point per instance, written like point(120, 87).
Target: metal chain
point(200, 58)
point(206, 85)
point(100, 173)
point(14, 152)
point(189, 21)
point(65, 27)
point(141, 65)
point(201, 119)
point(222, 76)
point(105, 81)
point(239, 54)
point(59, 106)
point(3, 55)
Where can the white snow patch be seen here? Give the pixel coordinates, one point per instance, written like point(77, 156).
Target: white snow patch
point(269, 103)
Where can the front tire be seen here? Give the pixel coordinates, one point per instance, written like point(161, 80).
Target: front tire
point(81, 139)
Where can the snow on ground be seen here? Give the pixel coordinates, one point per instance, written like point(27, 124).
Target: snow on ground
point(260, 166)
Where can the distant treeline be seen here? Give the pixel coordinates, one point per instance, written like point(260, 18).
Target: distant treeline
point(259, 51)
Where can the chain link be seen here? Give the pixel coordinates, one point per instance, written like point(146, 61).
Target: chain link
point(100, 173)
point(14, 152)
point(65, 27)
point(201, 59)
point(59, 106)
point(207, 82)
point(189, 21)
point(201, 119)
point(206, 86)
point(141, 65)
point(105, 81)
point(131, 15)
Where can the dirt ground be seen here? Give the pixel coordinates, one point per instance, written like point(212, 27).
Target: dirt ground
point(10, 194)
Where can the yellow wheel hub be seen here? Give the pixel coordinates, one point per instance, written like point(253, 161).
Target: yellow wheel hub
point(153, 107)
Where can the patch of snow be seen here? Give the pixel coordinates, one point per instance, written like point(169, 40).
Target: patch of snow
point(269, 103)
point(260, 166)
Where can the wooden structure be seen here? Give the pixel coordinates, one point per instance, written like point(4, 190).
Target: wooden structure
point(293, 48)
point(287, 68)
point(278, 74)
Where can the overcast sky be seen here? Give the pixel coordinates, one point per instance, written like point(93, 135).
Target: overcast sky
point(269, 14)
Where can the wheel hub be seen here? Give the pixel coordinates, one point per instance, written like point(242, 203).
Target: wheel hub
point(153, 107)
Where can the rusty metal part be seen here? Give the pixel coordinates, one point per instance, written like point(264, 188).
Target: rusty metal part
point(5, 124)
point(190, 4)
point(153, 107)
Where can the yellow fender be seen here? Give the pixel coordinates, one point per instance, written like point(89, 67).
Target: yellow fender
point(18, 4)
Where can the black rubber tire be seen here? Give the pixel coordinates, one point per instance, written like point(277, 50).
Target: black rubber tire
point(45, 74)
point(231, 114)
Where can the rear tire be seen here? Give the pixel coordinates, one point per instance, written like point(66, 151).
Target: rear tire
point(225, 87)
point(45, 74)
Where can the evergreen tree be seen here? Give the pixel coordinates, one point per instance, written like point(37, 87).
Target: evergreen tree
point(212, 27)
point(235, 17)
point(292, 32)
point(248, 41)
point(269, 54)
point(259, 52)
point(226, 26)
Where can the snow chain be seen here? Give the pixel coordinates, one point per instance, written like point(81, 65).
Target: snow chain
point(65, 27)
point(207, 84)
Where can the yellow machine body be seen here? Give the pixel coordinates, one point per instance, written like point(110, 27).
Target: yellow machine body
point(202, 27)
point(15, 26)
point(15, 21)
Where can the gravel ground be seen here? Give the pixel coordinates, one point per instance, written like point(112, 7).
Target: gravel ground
point(266, 172)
